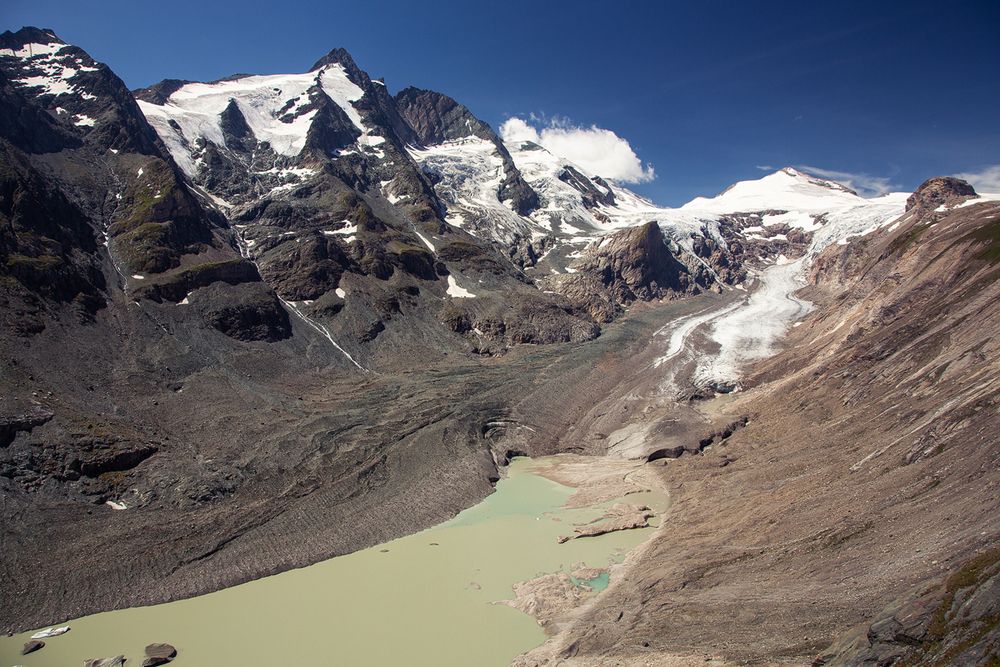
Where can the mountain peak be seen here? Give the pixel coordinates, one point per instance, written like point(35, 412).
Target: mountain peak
point(940, 191)
point(338, 55)
point(788, 188)
point(28, 35)
point(815, 180)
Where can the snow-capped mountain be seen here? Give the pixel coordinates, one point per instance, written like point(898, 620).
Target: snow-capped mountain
point(792, 199)
point(334, 190)
point(422, 155)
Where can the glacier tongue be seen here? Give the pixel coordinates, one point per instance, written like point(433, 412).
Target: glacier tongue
point(832, 214)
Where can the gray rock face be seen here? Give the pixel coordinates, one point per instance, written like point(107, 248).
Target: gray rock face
point(595, 192)
point(47, 247)
point(11, 425)
point(954, 623)
point(436, 118)
point(632, 265)
point(246, 312)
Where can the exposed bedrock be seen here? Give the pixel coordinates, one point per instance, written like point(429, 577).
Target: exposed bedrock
point(628, 266)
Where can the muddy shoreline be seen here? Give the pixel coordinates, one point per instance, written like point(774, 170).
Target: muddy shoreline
point(438, 588)
point(434, 454)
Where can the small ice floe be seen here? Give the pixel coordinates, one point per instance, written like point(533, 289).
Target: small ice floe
point(115, 505)
point(50, 632)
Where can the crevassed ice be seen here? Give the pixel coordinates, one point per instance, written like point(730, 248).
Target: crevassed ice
point(263, 101)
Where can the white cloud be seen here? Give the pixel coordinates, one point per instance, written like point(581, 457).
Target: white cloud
point(985, 180)
point(765, 167)
point(597, 151)
point(865, 185)
point(516, 129)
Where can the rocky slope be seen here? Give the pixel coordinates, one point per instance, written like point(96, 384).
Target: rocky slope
point(853, 519)
point(151, 329)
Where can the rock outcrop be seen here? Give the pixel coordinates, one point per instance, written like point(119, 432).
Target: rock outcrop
point(940, 191)
point(957, 622)
point(436, 118)
point(635, 264)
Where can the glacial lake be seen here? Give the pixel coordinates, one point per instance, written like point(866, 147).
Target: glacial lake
point(425, 599)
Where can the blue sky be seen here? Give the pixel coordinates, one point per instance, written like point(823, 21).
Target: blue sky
point(705, 92)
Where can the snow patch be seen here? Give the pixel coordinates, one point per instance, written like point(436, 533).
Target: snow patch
point(456, 291)
point(430, 246)
point(34, 49)
point(349, 230)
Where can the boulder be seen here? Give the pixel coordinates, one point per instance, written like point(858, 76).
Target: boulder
point(32, 646)
point(117, 661)
point(159, 654)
